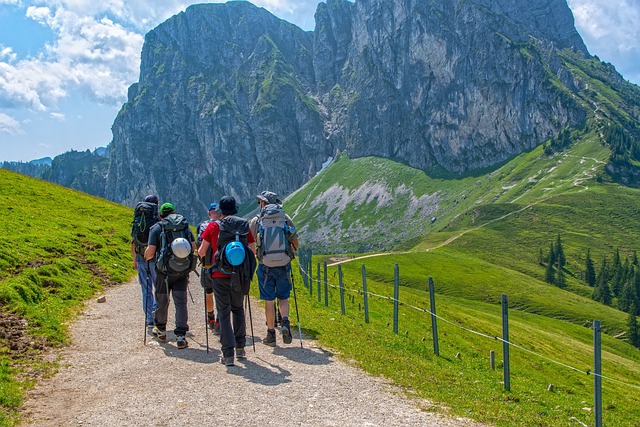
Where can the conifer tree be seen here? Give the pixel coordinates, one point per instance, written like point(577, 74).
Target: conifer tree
point(634, 333)
point(559, 252)
point(602, 291)
point(627, 297)
point(550, 276)
point(561, 282)
point(590, 273)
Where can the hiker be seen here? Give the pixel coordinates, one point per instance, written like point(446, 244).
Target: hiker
point(229, 294)
point(206, 262)
point(277, 242)
point(145, 215)
point(171, 243)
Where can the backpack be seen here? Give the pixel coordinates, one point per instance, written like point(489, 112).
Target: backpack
point(145, 215)
point(274, 237)
point(234, 232)
point(207, 260)
point(173, 227)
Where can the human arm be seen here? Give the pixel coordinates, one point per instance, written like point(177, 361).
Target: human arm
point(150, 252)
point(133, 254)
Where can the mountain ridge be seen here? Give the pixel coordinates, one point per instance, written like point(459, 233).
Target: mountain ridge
point(233, 100)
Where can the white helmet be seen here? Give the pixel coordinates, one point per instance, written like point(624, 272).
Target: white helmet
point(181, 247)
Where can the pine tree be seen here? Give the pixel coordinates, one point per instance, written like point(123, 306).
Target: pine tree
point(634, 333)
point(561, 282)
point(602, 291)
point(627, 297)
point(550, 275)
point(560, 258)
point(590, 273)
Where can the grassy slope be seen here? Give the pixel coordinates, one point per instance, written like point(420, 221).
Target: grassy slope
point(486, 242)
point(466, 386)
point(59, 247)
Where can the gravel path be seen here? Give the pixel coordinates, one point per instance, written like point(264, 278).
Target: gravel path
point(109, 378)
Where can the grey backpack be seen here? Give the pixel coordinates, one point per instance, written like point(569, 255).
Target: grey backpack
point(274, 234)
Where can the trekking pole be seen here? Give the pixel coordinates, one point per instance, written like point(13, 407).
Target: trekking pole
point(253, 338)
point(146, 300)
point(206, 319)
point(293, 285)
point(189, 289)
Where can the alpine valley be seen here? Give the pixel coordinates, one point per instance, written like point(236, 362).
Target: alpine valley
point(232, 100)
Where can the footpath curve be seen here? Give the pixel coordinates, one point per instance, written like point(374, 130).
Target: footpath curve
point(109, 378)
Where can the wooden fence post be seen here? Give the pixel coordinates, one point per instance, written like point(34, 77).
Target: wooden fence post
point(396, 292)
point(318, 279)
point(341, 288)
point(326, 286)
point(597, 374)
point(434, 319)
point(366, 294)
point(505, 342)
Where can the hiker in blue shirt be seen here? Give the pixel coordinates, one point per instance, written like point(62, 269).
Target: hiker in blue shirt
point(144, 217)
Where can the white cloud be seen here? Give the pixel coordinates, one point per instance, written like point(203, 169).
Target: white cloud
point(7, 53)
point(97, 56)
point(610, 30)
point(58, 116)
point(9, 125)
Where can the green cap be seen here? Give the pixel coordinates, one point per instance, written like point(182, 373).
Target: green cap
point(166, 208)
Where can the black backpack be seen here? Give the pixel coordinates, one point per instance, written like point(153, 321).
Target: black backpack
point(173, 227)
point(207, 260)
point(145, 216)
point(232, 229)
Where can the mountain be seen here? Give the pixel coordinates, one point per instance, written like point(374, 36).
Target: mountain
point(233, 100)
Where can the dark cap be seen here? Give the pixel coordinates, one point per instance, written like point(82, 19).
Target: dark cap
point(228, 206)
point(151, 199)
point(167, 208)
point(268, 197)
point(214, 207)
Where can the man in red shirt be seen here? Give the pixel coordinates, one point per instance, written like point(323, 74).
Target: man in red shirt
point(228, 300)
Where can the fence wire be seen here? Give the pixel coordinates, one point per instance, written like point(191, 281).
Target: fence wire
point(491, 337)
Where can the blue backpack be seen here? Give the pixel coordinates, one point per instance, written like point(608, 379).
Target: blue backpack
point(233, 255)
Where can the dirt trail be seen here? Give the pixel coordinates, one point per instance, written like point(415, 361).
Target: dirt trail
point(109, 378)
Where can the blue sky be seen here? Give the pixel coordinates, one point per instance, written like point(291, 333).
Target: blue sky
point(65, 65)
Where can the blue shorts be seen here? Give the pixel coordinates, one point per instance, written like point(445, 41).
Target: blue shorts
point(274, 282)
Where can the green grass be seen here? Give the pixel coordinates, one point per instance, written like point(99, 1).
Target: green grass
point(485, 241)
point(59, 247)
point(466, 386)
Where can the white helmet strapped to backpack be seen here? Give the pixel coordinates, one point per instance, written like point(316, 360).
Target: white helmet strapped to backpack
point(181, 247)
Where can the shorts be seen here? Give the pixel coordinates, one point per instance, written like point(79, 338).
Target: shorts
point(274, 282)
point(206, 281)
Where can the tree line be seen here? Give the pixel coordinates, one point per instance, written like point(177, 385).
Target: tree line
point(616, 282)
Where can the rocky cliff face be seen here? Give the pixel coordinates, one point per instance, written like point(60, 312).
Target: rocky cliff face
point(232, 100)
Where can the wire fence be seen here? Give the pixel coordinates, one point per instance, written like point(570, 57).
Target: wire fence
point(306, 272)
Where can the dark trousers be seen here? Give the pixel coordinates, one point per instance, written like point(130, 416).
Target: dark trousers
point(178, 288)
point(228, 302)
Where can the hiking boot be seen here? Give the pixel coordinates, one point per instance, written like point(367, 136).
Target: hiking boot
point(161, 335)
point(270, 339)
point(286, 331)
point(227, 361)
point(214, 325)
point(241, 353)
point(181, 341)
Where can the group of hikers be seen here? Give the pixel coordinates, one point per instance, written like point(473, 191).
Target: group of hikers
point(228, 249)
